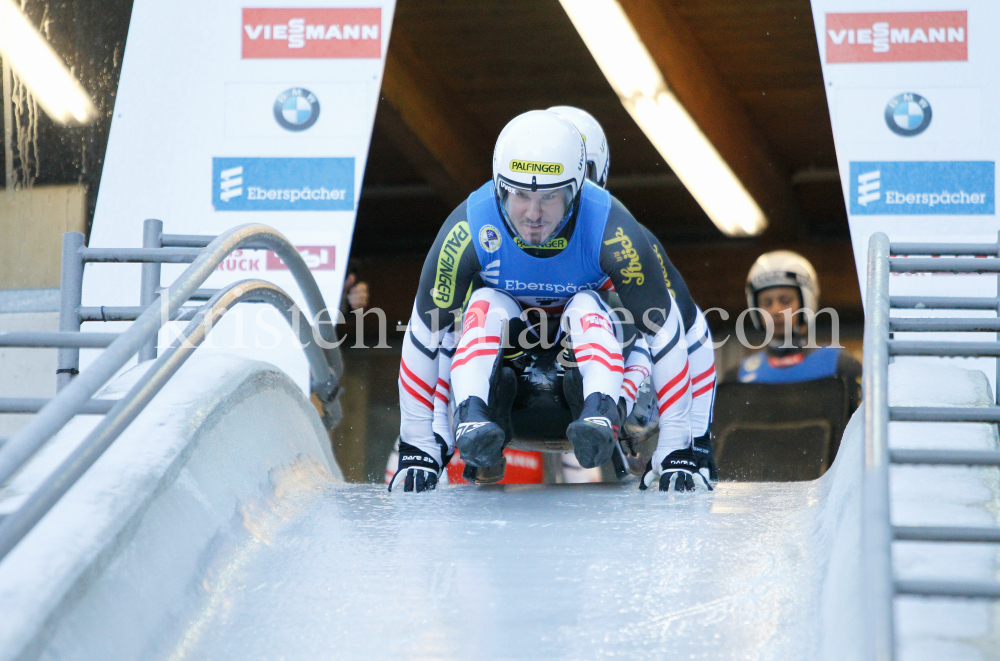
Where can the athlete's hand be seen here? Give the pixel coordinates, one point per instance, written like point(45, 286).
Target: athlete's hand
point(418, 471)
point(447, 451)
point(678, 470)
point(704, 455)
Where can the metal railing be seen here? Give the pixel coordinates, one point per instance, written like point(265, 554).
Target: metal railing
point(157, 307)
point(879, 585)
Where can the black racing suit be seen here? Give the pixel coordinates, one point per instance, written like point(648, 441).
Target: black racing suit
point(451, 271)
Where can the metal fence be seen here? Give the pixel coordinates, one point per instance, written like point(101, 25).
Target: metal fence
point(879, 585)
point(157, 307)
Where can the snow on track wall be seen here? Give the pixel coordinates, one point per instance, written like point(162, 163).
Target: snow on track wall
point(920, 495)
point(953, 629)
point(227, 447)
point(836, 543)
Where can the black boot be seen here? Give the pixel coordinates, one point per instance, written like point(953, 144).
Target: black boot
point(479, 439)
point(595, 433)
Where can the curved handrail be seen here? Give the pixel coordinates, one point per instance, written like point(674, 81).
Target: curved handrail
point(16, 525)
point(54, 416)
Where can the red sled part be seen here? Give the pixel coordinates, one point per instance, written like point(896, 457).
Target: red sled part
point(522, 468)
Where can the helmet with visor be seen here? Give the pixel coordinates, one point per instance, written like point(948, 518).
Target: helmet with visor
point(782, 268)
point(598, 158)
point(539, 166)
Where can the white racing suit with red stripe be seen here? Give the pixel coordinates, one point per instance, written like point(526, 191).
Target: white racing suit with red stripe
point(701, 356)
point(601, 248)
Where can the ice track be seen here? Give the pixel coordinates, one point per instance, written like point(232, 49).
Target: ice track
point(559, 572)
point(296, 564)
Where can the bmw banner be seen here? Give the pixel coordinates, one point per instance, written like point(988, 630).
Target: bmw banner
point(229, 114)
point(911, 85)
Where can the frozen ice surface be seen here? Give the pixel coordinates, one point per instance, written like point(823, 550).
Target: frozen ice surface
point(750, 571)
point(558, 571)
point(103, 573)
point(574, 571)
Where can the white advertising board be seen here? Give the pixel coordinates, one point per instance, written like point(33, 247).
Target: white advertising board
point(911, 85)
point(234, 112)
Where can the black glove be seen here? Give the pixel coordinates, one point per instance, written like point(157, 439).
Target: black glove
point(679, 467)
point(417, 471)
point(704, 454)
point(446, 452)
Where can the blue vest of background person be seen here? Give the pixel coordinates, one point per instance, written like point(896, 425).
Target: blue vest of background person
point(781, 283)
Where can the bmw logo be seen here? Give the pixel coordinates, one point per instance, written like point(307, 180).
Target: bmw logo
point(908, 114)
point(296, 109)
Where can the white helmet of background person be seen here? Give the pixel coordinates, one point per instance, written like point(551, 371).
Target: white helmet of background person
point(539, 151)
point(598, 155)
point(782, 268)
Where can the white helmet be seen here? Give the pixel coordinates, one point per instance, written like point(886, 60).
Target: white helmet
point(539, 151)
point(782, 268)
point(598, 156)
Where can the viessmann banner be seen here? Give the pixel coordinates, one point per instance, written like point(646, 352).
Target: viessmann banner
point(911, 87)
point(232, 112)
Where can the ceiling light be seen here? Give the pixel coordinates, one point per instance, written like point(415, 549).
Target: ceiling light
point(640, 86)
point(41, 70)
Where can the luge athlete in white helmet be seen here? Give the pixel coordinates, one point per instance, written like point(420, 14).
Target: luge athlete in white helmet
point(784, 284)
point(697, 335)
point(541, 240)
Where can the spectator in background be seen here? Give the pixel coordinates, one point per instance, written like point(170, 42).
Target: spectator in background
point(353, 298)
point(783, 285)
point(355, 294)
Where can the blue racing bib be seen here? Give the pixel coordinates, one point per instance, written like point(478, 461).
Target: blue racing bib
point(545, 282)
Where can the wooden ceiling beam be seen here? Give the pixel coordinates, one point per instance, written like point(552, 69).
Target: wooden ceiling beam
point(439, 180)
point(453, 152)
point(717, 110)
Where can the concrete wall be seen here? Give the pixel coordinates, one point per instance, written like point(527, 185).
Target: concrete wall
point(229, 448)
point(32, 223)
